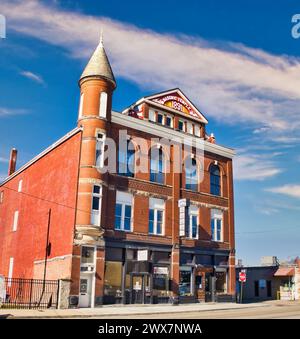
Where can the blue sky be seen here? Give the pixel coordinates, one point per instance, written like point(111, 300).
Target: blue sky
point(238, 63)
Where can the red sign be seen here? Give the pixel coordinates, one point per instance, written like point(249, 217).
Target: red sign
point(242, 277)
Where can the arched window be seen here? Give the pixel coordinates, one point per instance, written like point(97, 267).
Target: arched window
point(215, 180)
point(157, 166)
point(126, 164)
point(191, 174)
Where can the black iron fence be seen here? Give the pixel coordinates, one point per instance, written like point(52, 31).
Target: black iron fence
point(29, 293)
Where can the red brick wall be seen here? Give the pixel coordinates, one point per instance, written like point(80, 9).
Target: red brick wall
point(50, 182)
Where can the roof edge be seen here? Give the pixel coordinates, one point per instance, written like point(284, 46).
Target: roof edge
point(43, 153)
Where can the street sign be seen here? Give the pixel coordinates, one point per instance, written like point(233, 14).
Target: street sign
point(242, 277)
point(142, 255)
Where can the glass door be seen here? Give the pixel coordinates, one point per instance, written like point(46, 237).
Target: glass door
point(137, 289)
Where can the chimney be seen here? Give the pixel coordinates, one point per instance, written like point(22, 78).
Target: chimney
point(12, 161)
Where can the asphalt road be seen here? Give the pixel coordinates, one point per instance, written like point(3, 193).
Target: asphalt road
point(277, 311)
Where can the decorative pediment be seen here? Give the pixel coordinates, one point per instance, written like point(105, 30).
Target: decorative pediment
point(176, 100)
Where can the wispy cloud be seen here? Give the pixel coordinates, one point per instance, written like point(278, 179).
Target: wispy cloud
point(289, 190)
point(3, 160)
point(230, 82)
point(251, 166)
point(32, 76)
point(8, 112)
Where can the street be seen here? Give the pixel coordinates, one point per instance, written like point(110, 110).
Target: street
point(262, 310)
point(278, 311)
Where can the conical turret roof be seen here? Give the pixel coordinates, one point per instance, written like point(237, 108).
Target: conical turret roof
point(99, 66)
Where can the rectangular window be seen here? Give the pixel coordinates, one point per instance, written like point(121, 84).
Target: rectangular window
point(185, 284)
point(190, 128)
point(20, 186)
point(81, 105)
point(181, 125)
point(160, 118)
point(15, 222)
point(156, 216)
point(126, 160)
point(217, 225)
point(100, 143)
point(169, 121)
point(192, 230)
point(152, 115)
point(197, 130)
point(88, 258)
point(1, 197)
point(123, 211)
point(96, 205)
point(103, 105)
point(87, 255)
point(10, 270)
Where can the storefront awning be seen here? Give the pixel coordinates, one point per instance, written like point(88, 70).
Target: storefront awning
point(284, 272)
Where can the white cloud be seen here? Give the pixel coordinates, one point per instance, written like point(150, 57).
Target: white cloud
point(3, 160)
point(259, 167)
point(7, 112)
point(32, 76)
point(230, 82)
point(289, 190)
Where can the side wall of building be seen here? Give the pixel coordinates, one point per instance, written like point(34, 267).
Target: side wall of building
point(50, 183)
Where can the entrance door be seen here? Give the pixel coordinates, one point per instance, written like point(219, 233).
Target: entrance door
point(85, 293)
point(209, 287)
point(137, 289)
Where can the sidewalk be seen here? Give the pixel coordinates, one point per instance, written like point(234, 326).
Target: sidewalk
point(119, 310)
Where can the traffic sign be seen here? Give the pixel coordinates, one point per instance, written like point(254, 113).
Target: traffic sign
point(242, 277)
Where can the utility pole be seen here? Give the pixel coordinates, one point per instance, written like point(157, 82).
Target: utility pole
point(46, 256)
point(47, 245)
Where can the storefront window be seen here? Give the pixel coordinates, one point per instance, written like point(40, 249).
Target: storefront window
point(161, 281)
point(113, 279)
point(221, 282)
point(185, 282)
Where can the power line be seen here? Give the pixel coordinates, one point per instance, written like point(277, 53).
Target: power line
point(106, 215)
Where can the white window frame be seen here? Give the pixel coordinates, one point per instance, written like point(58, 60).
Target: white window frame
point(157, 205)
point(10, 270)
point(151, 116)
point(163, 118)
point(197, 130)
point(20, 185)
point(99, 163)
point(168, 116)
point(193, 211)
point(103, 105)
point(94, 258)
point(81, 106)
point(217, 215)
point(183, 122)
point(125, 199)
point(15, 221)
point(190, 128)
point(96, 214)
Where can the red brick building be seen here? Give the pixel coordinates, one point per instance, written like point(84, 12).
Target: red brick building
point(126, 235)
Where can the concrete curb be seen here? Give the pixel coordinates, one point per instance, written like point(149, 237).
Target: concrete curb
point(94, 315)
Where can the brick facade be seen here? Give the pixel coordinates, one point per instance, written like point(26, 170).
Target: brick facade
point(94, 255)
